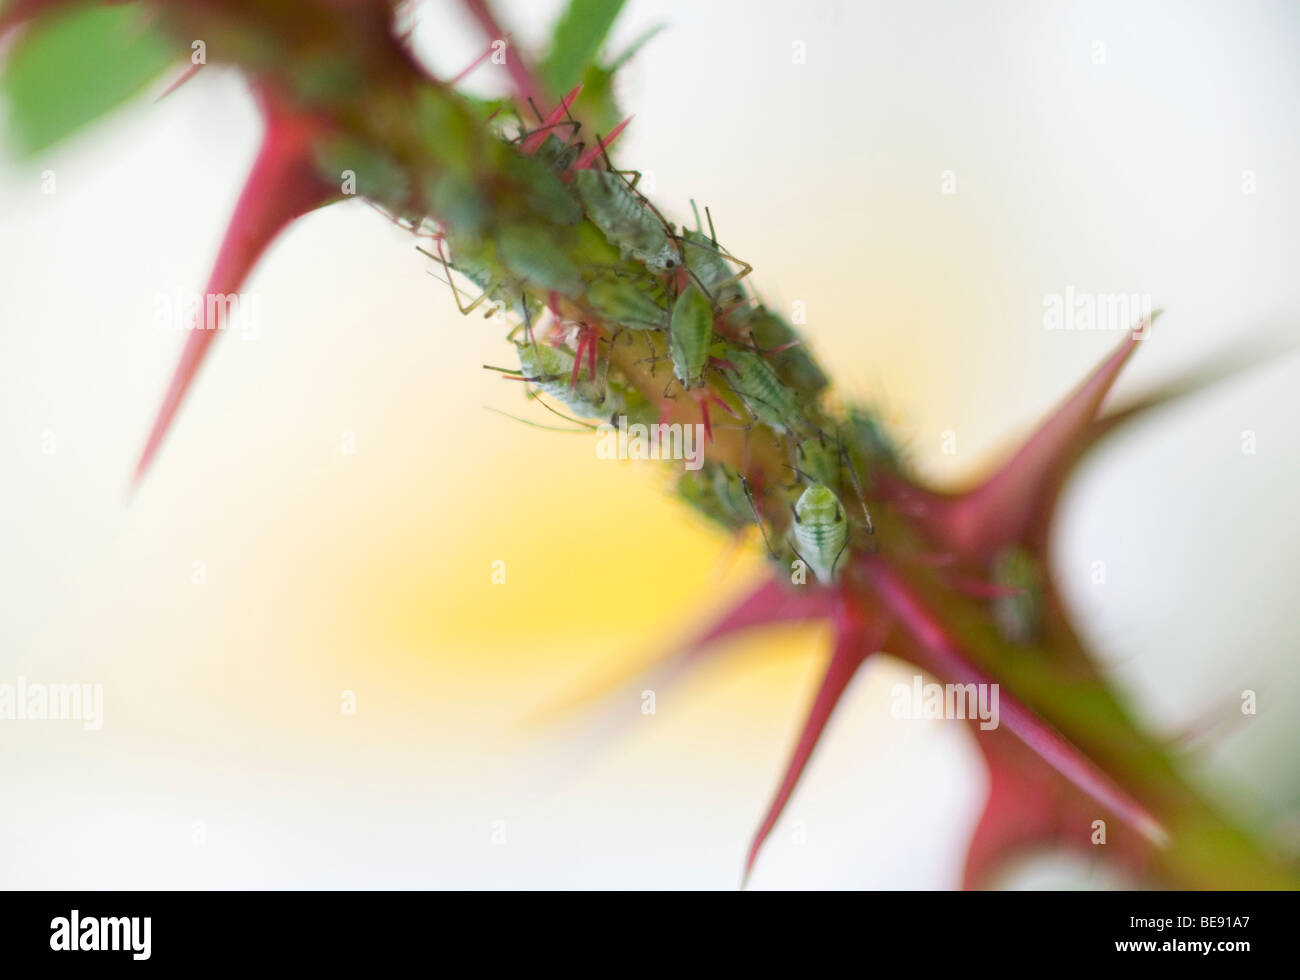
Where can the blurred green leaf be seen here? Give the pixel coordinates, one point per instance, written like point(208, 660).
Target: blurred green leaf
point(597, 105)
point(577, 39)
point(65, 71)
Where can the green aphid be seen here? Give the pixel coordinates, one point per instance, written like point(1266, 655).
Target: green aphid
point(543, 190)
point(636, 406)
point(455, 198)
point(626, 303)
point(704, 259)
point(689, 335)
point(753, 379)
point(794, 364)
point(1018, 617)
point(821, 461)
point(551, 370)
point(558, 154)
point(596, 256)
point(477, 261)
point(870, 439)
point(377, 175)
point(719, 494)
point(534, 254)
point(821, 532)
point(626, 219)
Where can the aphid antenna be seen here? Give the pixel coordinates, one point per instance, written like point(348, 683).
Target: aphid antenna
point(529, 332)
point(536, 111)
point(524, 134)
point(697, 217)
point(535, 425)
point(713, 235)
point(797, 473)
point(753, 506)
point(558, 414)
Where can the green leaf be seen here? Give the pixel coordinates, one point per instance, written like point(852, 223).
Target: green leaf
point(67, 70)
point(576, 41)
point(597, 106)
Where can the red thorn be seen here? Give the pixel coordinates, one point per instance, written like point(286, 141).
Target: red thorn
point(1002, 510)
point(952, 664)
point(704, 417)
point(783, 347)
point(717, 400)
point(981, 590)
point(178, 81)
point(281, 187)
point(525, 85)
point(471, 66)
point(853, 644)
point(24, 10)
point(589, 156)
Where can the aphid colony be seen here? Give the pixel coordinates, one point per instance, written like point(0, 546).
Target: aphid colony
point(611, 290)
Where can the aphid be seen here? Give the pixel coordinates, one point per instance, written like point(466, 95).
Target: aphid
point(558, 154)
point(628, 303)
point(722, 495)
point(794, 364)
point(477, 261)
point(820, 461)
point(821, 533)
point(709, 491)
point(870, 438)
point(626, 219)
point(552, 369)
point(708, 263)
point(532, 254)
point(1018, 617)
point(753, 379)
point(689, 335)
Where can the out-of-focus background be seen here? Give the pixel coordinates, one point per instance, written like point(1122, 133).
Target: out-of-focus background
point(325, 516)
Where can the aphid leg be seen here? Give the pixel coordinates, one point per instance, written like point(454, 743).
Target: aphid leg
point(835, 563)
point(847, 460)
point(465, 310)
point(723, 253)
point(528, 133)
point(528, 320)
point(604, 381)
point(758, 518)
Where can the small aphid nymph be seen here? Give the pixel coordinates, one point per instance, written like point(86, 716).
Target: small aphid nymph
point(821, 532)
point(690, 332)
